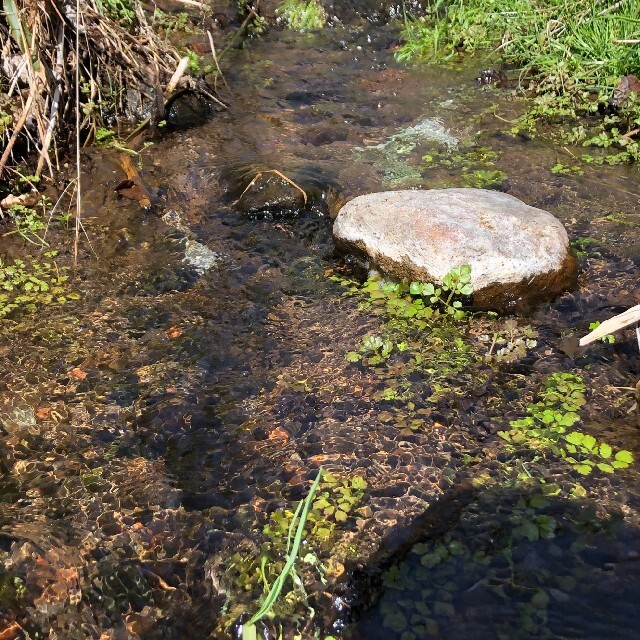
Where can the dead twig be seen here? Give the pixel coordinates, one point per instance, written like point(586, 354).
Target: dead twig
point(215, 60)
point(26, 111)
point(280, 175)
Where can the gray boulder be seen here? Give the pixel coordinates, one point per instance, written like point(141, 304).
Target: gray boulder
point(518, 254)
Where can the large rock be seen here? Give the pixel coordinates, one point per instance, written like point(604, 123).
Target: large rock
point(518, 254)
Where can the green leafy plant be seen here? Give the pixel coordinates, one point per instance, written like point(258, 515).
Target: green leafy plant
point(481, 178)
point(548, 427)
point(294, 541)
point(28, 222)
point(374, 350)
point(180, 22)
point(122, 11)
point(559, 168)
point(405, 347)
point(609, 338)
point(456, 283)
point(302, 16)
point(417, 301)
point(104, 136)
point(336, 499)
point(25, 286)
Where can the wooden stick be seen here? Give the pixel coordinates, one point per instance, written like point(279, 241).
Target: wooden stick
point(55, 104)
point(175, 78)
point(215, 59)
point(193, 3)
point(16, 130)
point(630, 316)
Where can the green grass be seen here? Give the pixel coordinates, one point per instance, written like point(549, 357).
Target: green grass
point(569, 55)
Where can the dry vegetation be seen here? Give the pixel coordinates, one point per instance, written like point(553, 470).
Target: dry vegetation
point(69, 67)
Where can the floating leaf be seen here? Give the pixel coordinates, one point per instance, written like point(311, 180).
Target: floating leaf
point(575, 438)
point(624, 456)
point(584, 469)
point(605, 450)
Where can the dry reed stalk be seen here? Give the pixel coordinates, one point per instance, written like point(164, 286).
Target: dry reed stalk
point(74, 58)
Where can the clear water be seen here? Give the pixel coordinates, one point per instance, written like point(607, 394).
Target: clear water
point(152, 427)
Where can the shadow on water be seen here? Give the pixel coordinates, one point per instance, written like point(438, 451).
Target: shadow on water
point(154, 429)
point(503, 563)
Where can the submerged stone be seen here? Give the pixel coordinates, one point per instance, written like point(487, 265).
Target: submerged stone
point(266, 193)
point(518, 254)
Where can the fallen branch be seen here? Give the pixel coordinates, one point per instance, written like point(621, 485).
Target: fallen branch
point(629, 317)
point(215, 59)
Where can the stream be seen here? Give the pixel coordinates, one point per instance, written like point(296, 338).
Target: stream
point(159, 431)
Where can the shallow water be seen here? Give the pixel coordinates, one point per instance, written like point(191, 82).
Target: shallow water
point(153, 427)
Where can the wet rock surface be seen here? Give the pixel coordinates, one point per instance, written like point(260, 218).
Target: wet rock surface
point(517, 253)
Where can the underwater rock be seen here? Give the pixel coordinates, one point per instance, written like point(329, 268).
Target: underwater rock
point(264, 193)
point(518, 254)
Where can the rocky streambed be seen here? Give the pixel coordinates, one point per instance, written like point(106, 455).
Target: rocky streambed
point(159, 432)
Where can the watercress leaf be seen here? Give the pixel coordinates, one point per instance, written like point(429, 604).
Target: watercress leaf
point(466, 290)
point(340, 516)
point(353, 356)
point(589, 442)
point(624, 456)
point(607, 468)
point(387, 347)
point(618, 464)
point(583, 468)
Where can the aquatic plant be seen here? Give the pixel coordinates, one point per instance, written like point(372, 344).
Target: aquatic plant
point(25, 286)
point(297, 524)
point(609, 337)
point(509, 341)
point(567, 53)
point(548, 428)
point(302, 16)
point(485, 558)
point(337, 498)
point(374, 350)
point(417, 301)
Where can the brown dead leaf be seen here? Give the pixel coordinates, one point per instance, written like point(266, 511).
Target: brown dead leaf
point(43, 413)
point(174, 332)
point(279, 434)
point(24, 199)
point(133, 188)
point(77, 374)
